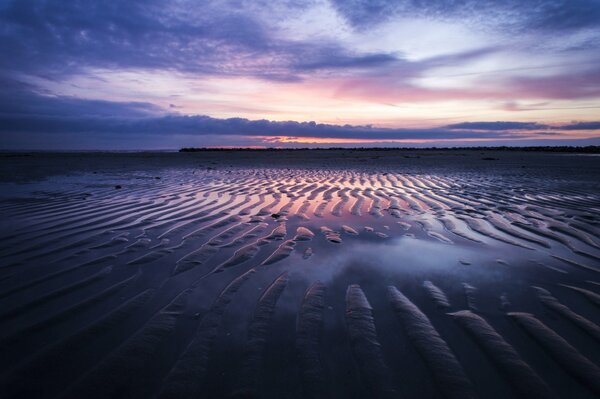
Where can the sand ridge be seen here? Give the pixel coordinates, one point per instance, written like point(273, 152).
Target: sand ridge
point(231, 280)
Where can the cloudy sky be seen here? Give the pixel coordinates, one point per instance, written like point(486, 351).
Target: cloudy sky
point(152, 74)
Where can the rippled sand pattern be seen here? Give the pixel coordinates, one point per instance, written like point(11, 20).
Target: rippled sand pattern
point(275, 282)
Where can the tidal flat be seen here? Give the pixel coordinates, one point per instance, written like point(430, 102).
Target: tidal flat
point(300, 274)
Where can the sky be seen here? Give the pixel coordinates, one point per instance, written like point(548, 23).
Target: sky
point(154, 74)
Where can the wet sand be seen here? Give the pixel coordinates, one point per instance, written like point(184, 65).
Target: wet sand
point(297, 274)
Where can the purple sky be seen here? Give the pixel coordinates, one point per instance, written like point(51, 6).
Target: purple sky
point(167, 74)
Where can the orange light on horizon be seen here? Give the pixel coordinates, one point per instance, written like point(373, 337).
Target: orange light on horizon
point(233, 147)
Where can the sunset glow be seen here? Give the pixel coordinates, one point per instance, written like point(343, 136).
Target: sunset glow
point(79, 72)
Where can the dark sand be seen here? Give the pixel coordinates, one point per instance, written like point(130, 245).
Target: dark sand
point(289, 274)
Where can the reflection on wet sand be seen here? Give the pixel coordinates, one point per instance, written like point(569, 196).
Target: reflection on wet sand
point(273, 282)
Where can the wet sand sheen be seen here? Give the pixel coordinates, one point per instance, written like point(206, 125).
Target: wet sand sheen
point(256, 281)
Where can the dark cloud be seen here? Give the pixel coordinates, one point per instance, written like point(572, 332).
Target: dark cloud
point(526, 15)
point(566, 14)
point(64, 36)
point(19, 99)
point(595, 125)
point(500, 125)
point(47, 116)
point(205, 125)
point(515, 126)
point(57, 38)
point(329, 60)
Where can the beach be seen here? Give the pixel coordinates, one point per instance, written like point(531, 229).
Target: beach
point(301, 273)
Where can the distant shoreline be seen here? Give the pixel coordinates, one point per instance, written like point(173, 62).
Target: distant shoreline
point(590, 149)
point(562, 149)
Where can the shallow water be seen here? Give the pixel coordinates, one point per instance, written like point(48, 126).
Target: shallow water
point(274, 282)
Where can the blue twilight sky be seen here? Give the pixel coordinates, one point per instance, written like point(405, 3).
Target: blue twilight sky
point(153, 74)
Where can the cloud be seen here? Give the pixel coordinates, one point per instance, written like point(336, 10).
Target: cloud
point(531, 14)
point(516, 126)
point(205, 125)
point(497, 126)
point(403, 88)
point(57, 38)
point(231, 38)
point(48, 116)
point(333, 60)
point(53, 45)
point(595, 125)
point(20, 100)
